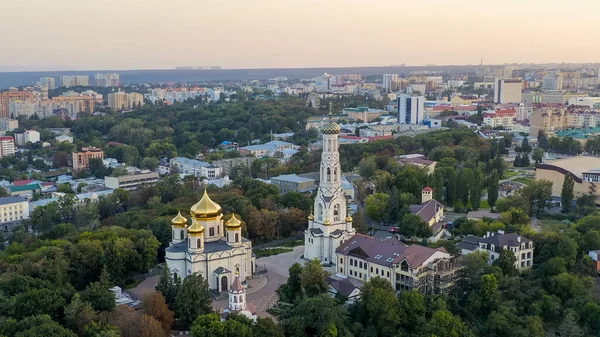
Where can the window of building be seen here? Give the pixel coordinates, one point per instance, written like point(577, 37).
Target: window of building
point(336, 212)
point(522, 264)
point(237, 237)
point(377, 271)
point(320, 211)
point(360, 264)
point(341, 270)
point(522, 256)
point(211, 231)
point(181, 235)
point(341, 260)
point(328, 174)
point(360, 275)
point(388, 274)
point(371, 269)
point(528, 255)
point(198, 243)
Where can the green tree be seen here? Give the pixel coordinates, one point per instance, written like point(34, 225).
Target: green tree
point(444, 324)
point(95, 329)
point(476, 185)
point(193, 299)
point(413, 226)
point(376, 206)
point(506, 261)
point(538, 155)
point(293, 287)
point(78, 314)
point(359, 223)
point(367, 167)
point(567, 194)
point(492, 188)
point(314, 278)
point(100, 296)
point(569, 327)
point(536, 196)
point(379, 306)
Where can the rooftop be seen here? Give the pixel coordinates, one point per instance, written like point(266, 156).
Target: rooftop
point(575, 165)
point(187, 161)
point(11, 200)
point(292, 178)
point(578, 133)
point(386, 252)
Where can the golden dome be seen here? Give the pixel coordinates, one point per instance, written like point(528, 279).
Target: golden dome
point(330, 128)
point(311, 216)
point(233, 223)
point(195, 228)
point(327, 223)
point(349, 218)
point(179, 220)
point(205, 208)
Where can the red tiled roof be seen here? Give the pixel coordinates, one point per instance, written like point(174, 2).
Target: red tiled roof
point(7, 138)
point(380, 137)
point(351, 137)
point(428, 189)
point(465, 108)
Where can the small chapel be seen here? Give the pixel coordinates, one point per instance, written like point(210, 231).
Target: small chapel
point(210, 246)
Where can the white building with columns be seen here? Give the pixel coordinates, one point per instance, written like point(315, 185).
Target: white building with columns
point(330, 225)
point(209, 246)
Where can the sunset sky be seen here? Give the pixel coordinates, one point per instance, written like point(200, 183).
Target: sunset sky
point(144, 34)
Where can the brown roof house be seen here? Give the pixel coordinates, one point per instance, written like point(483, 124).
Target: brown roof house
point(431, 212)
point(428, 270)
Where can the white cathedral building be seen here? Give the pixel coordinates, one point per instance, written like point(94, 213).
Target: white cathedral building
point(330, 225)
point(210, 247)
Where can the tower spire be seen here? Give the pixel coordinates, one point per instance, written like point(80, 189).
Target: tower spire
point(330, 109)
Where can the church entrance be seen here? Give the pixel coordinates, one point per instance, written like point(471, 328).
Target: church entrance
point(224, 283)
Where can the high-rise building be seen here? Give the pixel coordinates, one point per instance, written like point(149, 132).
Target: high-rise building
point(508, 91)
point(22, 138)
point(13, 95)
point(7, 146)
point(330, 225)
point(74, 81)
point(120, 101)
point(552, 82)
point(107, 80)
point(411, 109)
point(48, 82)
point(388, 79)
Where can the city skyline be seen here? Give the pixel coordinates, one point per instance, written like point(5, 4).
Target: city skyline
point(290, 34)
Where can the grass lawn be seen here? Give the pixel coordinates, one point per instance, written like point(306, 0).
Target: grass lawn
point(552, 225)
point(511, 174)
point(294, 243)
point(271, 252)
point(484, 204)
point(525, 181)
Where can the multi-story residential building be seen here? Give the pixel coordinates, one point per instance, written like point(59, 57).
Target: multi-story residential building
point(293, 183)
point(387, 81)
point(75, 81)
point(548, 98)
point(7, 146)
point(364, 114)
point(7, 124)
point(552, 82)
point(120, 101)
point(494, 243)
point(428, 270)
point(13, 95)
point(411, 109)
point(12, 211)
point(18, 108)
point(107, 80)
point(74, 103)
point(81, 160)
point(548, 118)
point(131, 181)
point(48, 82)
point(504, 118)
point(508, 90)
point(588, 102)
point(195, 168)
point(22, 138)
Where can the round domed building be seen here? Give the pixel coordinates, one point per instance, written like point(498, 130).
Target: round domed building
point(207, 245)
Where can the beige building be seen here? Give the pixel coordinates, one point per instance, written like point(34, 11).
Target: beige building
point(131, 181)
point(120, 101)
point(548, 98)
point(547, 119)
point(81, 160)
point(508, 91)
point(428, 270)
point(12, 211)
point(293, 183)
point(585, 171)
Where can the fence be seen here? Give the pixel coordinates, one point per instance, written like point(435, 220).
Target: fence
point(279, 242)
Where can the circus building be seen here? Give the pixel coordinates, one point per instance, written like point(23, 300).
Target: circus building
point(208, 245)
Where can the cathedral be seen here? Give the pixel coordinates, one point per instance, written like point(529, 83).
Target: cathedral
point(331, 224)
point(209, 246)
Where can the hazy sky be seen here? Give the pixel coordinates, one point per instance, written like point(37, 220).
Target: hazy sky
point(136, 34)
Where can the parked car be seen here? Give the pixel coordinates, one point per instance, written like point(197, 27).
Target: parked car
point(393, 230)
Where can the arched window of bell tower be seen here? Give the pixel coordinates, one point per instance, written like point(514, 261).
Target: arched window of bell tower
point(320, 211)
point(335, 174)
point(336, 212)
point(328, 174)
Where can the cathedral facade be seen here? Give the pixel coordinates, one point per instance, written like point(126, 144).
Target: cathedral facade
point(209, 246)
point(331, 224)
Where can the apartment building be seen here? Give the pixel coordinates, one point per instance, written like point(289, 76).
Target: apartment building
point(7, 146)
point(131, 181)
point(74, 103)
point(387, 81)
point(13, 95)
point(12, 211)
point(267, 149)
point(75, 81)
point(120, 101)
point(428, 270)
point(411, 109)
point(495, 242)
point(548, 98)
point(196, 168)
point(548, 118)
point(107, 80)
point(508, 90)
point(81, 160)
point(503, 117)
point(47, 82)
point(7, 124)
point(22, 138)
